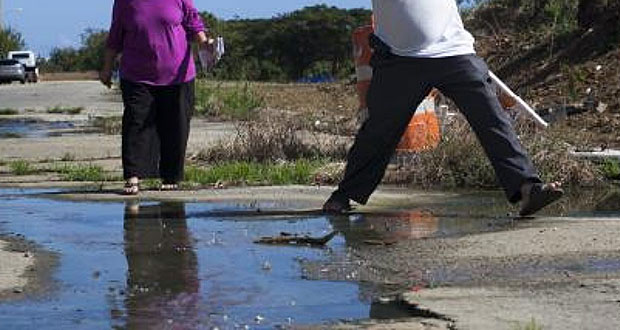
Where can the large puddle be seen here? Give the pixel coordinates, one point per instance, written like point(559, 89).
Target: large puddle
point(196, 265)
point(27, 128)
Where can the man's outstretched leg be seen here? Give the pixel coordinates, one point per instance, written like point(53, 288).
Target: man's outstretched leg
point(465, 79)
point(397, 87)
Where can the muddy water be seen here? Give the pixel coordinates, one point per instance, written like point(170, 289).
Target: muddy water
point(195, 265)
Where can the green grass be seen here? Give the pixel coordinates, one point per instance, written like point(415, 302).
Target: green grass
point(238, 101)
point(297, 172)
point(80, 173)
point(611, 169)
point(531, 325)
point(150, 184)
point(8, 111)
point(21, 167)
point(65, 110)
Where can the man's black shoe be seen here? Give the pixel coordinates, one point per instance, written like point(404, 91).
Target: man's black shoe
point(337, 205)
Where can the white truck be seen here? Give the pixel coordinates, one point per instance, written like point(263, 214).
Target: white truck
point(29, 60)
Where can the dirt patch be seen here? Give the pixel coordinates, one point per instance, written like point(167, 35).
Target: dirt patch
point(66, 76)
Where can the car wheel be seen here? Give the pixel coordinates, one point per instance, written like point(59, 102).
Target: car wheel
point(23, 81)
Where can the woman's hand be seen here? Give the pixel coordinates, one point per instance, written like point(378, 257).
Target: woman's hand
point(105, 76)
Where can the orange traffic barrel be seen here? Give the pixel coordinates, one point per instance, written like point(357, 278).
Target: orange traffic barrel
point(362, 54)
point(423, 131)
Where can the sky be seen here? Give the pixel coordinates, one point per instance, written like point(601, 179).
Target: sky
point(46, 24)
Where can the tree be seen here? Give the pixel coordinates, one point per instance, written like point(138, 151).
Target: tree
point(289, 46)
point(88, 57)
point(10, 40)
point(92, 49)
point(64, 59)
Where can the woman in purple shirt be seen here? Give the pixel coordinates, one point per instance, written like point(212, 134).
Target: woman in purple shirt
point(157, 81)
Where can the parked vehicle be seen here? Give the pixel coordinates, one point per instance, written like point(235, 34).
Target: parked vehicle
point(11, 70)
point(29, 60)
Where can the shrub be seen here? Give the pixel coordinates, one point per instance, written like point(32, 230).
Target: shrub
point(459, 160)
point(229, 101)
point(275, 138)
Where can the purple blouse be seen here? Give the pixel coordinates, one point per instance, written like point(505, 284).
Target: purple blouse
point(154, 39)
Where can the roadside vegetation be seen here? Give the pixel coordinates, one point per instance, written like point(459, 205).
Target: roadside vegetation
point(65, 110)
point(108, 125)
point(8, 112)
point(82, 172)
point(232, 101)
point(10, 39)
point(531, 325)
point(10, 135)
point(22, 167)
point(252, 173)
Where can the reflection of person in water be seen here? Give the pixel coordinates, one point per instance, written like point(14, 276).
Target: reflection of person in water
point(162, 275)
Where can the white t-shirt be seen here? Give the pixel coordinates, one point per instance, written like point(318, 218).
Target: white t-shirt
point(422, 28)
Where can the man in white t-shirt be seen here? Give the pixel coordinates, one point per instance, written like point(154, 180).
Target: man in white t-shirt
point(419, 45)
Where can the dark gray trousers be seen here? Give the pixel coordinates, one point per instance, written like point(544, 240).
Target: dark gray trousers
point(398, 86)
point(156, 129)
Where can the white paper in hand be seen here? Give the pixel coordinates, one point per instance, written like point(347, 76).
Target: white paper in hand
point(211, 54)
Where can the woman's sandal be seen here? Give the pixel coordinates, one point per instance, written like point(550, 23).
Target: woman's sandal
point(539, 196)
point(132, 187)
point(169, 186)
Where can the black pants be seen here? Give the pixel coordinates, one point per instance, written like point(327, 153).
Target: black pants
point(155, 129)
point(398, 86)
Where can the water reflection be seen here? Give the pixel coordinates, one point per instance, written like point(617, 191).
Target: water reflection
point(162, 277)
point(390, 227)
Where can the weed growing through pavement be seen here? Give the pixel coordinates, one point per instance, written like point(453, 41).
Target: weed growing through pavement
point(8, 112)
point(150, 184)
point(531, 325)
point(611, 169)
point(108, 125)
point(65, 110)
point(21, 167)
point(88, 172)
point(250, 173)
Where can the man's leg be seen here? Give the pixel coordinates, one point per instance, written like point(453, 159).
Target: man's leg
point(465, 80)
point(397, 87)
